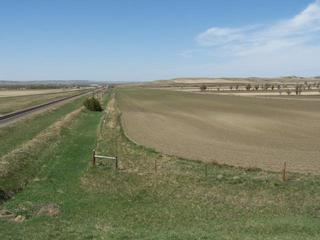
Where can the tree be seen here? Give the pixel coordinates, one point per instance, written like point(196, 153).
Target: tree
point(288, 91)
point(203, 87)
point(299, 89)
point(248, 87)
point(256, 87)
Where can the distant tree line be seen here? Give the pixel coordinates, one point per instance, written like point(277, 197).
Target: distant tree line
point(288, 88)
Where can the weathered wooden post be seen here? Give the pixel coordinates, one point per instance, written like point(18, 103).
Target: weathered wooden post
point(284, 172)
point(94, 157)
point(116, 162)
point(155, 166)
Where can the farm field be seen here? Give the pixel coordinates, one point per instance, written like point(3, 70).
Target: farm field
point(13, 100)
point(7, 92)
point(176, 202)
point(238, 131)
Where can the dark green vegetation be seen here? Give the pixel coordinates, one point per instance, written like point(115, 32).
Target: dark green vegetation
point(177, 202)
point(92, 104)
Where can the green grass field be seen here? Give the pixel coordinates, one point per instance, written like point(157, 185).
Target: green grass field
point(176, 202)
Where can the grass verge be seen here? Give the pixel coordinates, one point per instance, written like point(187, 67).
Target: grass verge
point(21, 164)
point(15, 134)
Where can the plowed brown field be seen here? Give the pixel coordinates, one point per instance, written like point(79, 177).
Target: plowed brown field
point(233, 130)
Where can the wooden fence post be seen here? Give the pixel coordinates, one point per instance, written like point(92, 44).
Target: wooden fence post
point(94, 157)
point(116, 162)
point(284, 172)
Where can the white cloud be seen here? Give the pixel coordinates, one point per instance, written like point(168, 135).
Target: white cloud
point(302, 29)
point(219, 36)
point(287, 47)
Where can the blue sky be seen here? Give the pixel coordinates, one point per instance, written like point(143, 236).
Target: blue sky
point(139, 40)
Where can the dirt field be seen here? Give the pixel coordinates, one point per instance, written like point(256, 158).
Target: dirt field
point(28, 92)
point(233, 130)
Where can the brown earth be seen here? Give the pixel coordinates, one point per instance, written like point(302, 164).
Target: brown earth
point(232, 130)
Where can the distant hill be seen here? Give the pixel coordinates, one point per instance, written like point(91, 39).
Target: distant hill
point(48, 83)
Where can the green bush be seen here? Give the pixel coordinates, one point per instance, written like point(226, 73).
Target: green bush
point(92, 104)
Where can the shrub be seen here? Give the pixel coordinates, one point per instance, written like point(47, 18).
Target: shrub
point(203, 87)
point(92, 104)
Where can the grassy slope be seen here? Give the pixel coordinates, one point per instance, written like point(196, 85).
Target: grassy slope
point(16, 133)
point(10, 104)
point(178, 202)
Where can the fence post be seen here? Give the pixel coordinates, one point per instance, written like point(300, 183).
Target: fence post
point(116, 162)
point(94, 157)
point(284, 172)
point(155, 166)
